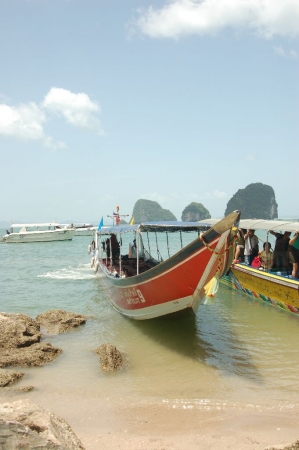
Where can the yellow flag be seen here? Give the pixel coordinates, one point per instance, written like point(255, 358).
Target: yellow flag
point(132, 221)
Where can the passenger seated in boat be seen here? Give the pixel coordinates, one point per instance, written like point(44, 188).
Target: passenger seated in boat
point(7, 232)
point(266, 256)
point(239, 254)
point(281, 249)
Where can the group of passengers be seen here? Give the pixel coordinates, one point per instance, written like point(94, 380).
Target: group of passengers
point(286, 250)
point(113, 244)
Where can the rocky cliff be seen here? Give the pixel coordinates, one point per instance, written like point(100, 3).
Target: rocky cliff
point(256, 201)
point(195, 212)
point(150, 211)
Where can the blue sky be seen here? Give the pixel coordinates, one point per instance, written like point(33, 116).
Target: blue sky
point(104, 102)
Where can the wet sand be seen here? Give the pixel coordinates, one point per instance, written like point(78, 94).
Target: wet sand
point(149, 425)
point(157, 427)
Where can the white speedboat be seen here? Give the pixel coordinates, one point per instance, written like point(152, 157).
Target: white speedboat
point(84, 229)
point(38, 232)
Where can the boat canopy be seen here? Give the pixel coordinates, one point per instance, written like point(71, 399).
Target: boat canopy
point(156, 227)
point(273, 225)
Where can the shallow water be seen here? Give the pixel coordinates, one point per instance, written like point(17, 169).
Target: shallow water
point(236, 351)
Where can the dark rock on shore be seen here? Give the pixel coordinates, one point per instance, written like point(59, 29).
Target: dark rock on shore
point(20, 342)
point(110, 358)
point(35, 355)
point(20, 337)
point(26, 426)
point(18, 330)
point(58, 321)
point(7, 377)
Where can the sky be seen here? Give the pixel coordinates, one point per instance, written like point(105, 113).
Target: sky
point(104, 102)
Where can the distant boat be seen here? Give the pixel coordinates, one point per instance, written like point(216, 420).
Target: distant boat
point(84, 229)
point(38, 232)
point(142, 287)
point(276, 286)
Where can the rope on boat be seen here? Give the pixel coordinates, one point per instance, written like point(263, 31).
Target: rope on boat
point(167, 244)
point(212, 287)
point(214, 251)
point(148, 242)
point(157, 247)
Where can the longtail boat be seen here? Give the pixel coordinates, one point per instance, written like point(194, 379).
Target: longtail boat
point(149, 284)
point(275, 286)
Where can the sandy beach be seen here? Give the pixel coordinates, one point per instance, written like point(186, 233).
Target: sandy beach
point(155, 426)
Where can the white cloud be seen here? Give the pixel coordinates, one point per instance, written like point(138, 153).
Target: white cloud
point(219, 194)
point(50, 143)
point(27, 121)
point(154, 196)
point(77, 109)
point(290, 54)
point(24, 121)
point(266, 18)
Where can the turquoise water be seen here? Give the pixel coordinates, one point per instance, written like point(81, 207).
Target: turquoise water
point(236, 351)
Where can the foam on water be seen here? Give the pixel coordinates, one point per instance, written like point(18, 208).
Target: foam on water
point(81, 272)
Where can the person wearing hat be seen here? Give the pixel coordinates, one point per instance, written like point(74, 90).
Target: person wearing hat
point(133, 249)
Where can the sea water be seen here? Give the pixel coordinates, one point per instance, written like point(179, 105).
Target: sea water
point(236, 351)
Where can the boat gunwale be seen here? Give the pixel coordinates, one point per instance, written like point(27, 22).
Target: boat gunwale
point(278, 279)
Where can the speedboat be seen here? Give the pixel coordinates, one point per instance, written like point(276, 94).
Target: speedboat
point(84, 229)
point(38, 232)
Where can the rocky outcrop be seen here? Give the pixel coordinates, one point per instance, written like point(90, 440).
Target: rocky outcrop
point(20, 336)
point(58, 321)
point(195, 212)
point(8, 377)
point(150, 211)
point(256, 201)
point(110, 358)
point(35, 355)
point(26, 426)
point(18, 331)
point(20, 342)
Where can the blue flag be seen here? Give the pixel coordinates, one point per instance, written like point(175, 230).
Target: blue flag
point(100, 224)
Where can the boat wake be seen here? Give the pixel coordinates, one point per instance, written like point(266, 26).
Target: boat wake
point(81, 272)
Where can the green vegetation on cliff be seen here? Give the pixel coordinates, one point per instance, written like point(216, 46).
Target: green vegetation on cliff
point(195, 212)
point(256, 201)
point(150, 211)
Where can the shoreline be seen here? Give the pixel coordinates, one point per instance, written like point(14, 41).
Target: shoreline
point(152, 425)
